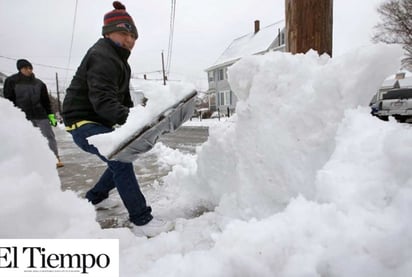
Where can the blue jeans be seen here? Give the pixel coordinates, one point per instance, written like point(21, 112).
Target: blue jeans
point(118, 175)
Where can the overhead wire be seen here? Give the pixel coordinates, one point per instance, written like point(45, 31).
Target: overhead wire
point(48, 80)
point(66, 69)
point(39, 64)
point(71, 41)
point(171, 32)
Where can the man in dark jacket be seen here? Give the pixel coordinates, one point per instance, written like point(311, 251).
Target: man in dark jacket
point(30, 95)
point(99, 98)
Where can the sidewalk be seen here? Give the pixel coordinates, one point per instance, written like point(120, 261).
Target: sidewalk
point(82, 170)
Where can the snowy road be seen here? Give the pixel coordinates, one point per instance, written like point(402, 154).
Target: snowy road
point(82, 170)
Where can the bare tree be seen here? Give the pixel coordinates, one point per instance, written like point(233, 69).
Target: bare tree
point(396, 26)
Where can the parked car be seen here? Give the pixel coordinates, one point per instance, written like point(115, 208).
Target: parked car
point(394, 102)
point(394, 98)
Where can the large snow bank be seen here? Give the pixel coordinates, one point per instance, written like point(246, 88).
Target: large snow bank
point(301, 182)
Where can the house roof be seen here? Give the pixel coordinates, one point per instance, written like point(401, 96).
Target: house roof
point(250, 44)
point(404, 80)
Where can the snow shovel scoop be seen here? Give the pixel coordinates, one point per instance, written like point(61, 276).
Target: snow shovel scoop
point(145, 138)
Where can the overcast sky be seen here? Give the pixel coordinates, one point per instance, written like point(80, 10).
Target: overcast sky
point(41, 31)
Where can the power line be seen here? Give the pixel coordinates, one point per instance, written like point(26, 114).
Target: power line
point(171, 31)
point(38, 64)
point(71, 41)
point(149, 72)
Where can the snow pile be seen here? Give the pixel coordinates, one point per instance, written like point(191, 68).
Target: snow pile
point(307, 183)
point(301, 182)
point(33, 204)
point(288, 114)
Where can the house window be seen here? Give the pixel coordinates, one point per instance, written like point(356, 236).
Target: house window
point(400, 76)
point(221, 74)
point(221, 98)
point(225, 98)
point(210, 76)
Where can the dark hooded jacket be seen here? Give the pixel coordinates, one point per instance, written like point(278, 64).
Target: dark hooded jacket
point(29, 94)
point(99, 90)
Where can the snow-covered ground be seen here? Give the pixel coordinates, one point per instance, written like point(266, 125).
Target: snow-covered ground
point(302, 182)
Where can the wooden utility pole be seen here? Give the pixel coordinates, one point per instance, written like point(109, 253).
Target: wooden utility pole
point(163, 70)
point(58, 95)
point(309, 25)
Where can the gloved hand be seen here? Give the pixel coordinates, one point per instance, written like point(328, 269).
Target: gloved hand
point(52, 119)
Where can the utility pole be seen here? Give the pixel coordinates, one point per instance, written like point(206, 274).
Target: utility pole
point(163, 70)
point(309, 25)
point(58, 94)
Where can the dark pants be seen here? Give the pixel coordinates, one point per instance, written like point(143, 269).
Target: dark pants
point(118, 175)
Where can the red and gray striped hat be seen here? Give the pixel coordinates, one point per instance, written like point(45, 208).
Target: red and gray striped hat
point(118, 20)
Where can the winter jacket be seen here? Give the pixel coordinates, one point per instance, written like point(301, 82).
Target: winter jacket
point(99, 90)
point(29, 94)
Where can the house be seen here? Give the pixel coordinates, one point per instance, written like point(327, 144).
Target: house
point(269, 38)
point(401, 79)
point(2, 79)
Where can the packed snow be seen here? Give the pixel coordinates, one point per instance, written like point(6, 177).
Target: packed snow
point(302, 181)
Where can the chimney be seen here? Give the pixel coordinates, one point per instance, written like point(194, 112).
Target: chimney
point(257, 26)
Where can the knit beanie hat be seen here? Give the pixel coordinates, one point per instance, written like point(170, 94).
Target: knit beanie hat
point(23, 63)
point(118, 20)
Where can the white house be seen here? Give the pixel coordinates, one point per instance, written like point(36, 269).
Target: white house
point(401, 79)
point(262, 40)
